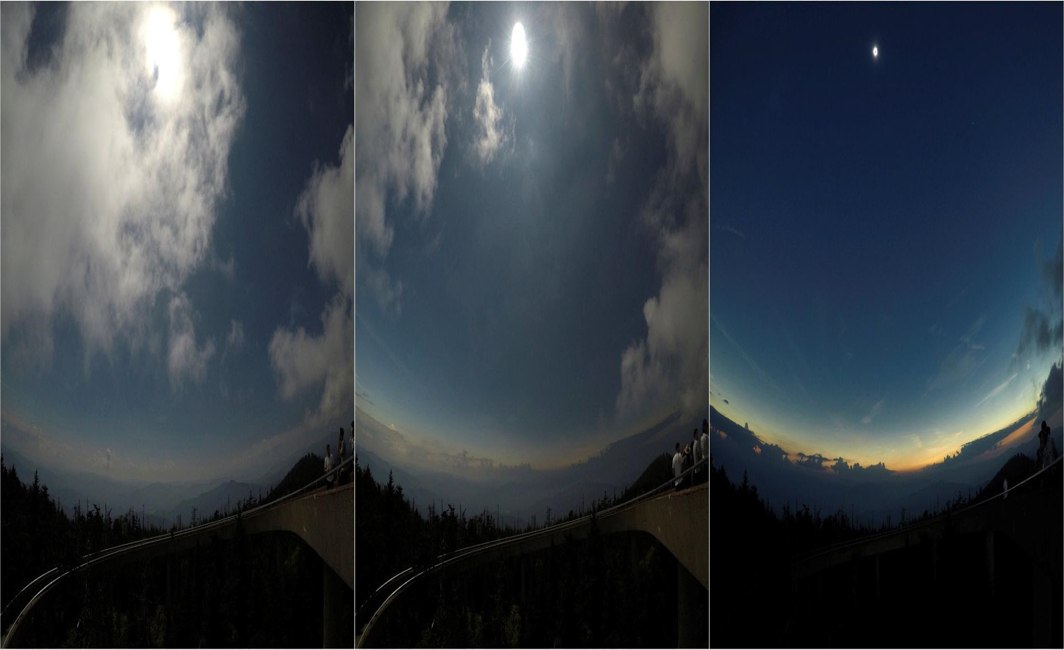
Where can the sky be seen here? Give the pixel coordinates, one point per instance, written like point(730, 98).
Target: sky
point(885, 244)
point(531, 241)
point(177, 235)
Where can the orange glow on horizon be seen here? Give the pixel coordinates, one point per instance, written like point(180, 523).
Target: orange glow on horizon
point(906, 461)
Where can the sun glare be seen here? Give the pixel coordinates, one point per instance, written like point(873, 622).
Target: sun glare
point(519, 46)
point(162, 46)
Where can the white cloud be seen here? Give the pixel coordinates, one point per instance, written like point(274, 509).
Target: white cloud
point(671, 363)
point(327, 207)
point(404, 53)
point(114, 162)
point(186, 361)
point(488, 115)
point(235, 340)
point(301, 360)
point(401, 114)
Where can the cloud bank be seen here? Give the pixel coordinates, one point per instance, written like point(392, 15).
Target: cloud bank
point(401, 52)
point(671, 362)
point(116, 153)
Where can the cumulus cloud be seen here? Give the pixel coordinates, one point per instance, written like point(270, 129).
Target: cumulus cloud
point(325, 208)
point(1043, 327)
point(403, 55)
point(487, 114)
point(1052, 396)
point(115, 156)
point(671, 362)
point(186, 361)
point(301, 360)
point(404, 62)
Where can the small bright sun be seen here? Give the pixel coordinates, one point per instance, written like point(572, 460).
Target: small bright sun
point(519, 46)
point(163, 55)
point(875, 51)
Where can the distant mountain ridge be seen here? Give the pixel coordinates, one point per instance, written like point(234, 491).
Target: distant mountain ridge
point(525, 492)
point(874, 494)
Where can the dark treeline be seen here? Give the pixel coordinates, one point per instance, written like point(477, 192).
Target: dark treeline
point(258, 592)
point(38, 532)
point(38, 535)
point(264, 591)
point(608, 591)
point(393, 535)
point(752, 549)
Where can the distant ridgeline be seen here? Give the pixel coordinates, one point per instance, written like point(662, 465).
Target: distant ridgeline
point(872, 495)
point(37, 532)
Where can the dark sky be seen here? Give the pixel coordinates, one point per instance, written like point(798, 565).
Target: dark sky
point(177, 235)
point(531, 241)
point(886, 232)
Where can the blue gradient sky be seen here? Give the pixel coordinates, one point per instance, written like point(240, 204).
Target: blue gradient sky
point(885, 232)
point(502, 283)
point(168, 323)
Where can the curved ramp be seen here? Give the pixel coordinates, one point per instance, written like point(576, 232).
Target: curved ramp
point(323, 519)
point(678, 520)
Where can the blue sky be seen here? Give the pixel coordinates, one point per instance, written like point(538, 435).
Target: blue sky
point(531, 241)
point(886, 231)
point(177, 235)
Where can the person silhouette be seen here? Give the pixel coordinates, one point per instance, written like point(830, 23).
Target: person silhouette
point(696, 457)
point(340, 456)
point(1047, 449)
point(677, 466)
point(705, 440)
point(328, 466)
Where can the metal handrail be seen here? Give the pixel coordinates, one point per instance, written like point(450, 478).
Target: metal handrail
point(447, 559)
point(92, 559)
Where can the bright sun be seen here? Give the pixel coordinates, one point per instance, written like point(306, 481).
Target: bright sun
point(162, 46)
point(519, 46)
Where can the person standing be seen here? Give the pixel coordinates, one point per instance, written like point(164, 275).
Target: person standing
point(328, 466)
point(705, 440)
point(696, 454)
point(340, 457)
point(677, 466)
point(1047, 449)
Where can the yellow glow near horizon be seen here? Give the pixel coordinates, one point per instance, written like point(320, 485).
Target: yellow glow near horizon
point(901, 458)
point(519, 46)
point(164, 58)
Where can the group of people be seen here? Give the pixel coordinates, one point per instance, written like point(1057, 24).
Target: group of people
point(335, 474)
point(692, 455)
